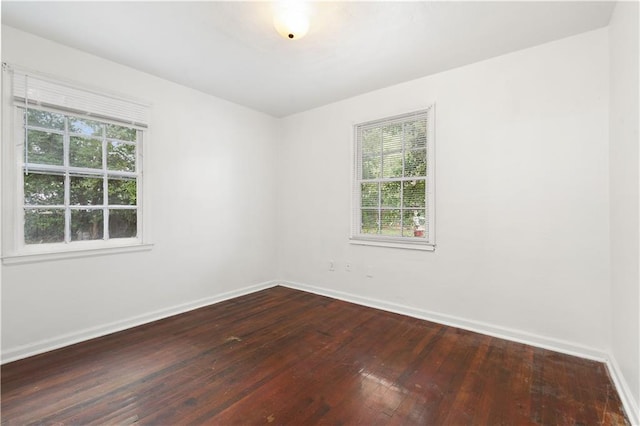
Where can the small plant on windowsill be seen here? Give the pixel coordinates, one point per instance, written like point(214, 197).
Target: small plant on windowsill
point(418, 225)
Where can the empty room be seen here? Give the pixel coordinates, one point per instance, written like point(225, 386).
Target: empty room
point(298, 213)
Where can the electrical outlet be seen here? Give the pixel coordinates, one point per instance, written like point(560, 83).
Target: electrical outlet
point(332, 266)
point(347, 267)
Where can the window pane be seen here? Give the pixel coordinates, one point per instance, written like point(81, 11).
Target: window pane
point(85, 152)
point(371, 141)
point(121, 156)
point(87, 225)
point(123, 223)
point(41, 189)
point(392, 137)
point(390, 223)
point(46, 119)
point(413, 193)
point(369, 194)
point(371, 168)
point(86, 191)
point(43, 226)
point(390, 193)
point(415, 133)
point(369, 222)
point(44, 148)
point(414, 223)
point(85, 127)
point(121, 132)
point(392, 166)
point(122, 191)
point(415, 163)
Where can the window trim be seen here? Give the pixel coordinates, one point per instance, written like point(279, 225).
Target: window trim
point(356, 237)
point(14, 249)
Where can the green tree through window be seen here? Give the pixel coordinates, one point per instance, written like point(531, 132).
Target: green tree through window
point(80, 178)
point(392, 181)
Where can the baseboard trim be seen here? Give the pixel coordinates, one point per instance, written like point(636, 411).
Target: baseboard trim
point(47, 345)
point(628, 402)
point(519, 336)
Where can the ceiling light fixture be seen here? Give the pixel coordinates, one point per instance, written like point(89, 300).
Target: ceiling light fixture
point(291, 19)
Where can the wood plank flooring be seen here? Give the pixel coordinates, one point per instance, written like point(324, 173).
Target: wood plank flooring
point(282, 356)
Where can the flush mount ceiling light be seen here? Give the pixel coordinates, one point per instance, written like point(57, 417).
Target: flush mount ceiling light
point(291, 19)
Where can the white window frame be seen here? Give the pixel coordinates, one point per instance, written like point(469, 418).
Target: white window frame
point(55, 95)
point(427, 243)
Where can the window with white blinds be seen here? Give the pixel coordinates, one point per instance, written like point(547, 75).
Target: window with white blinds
point(77, 171)
point(393, 185)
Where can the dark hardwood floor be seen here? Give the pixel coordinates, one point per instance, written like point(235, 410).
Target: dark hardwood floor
point(282, 356)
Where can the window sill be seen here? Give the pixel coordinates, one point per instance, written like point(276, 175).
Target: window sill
point(75, 252)
point(393, 244)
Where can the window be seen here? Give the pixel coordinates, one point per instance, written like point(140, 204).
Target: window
point(75, 181)
point(79, 178)
point(393, 189)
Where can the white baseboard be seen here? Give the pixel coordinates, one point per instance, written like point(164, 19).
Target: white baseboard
point(628, 401)
point(47, 345)
point(557, 345)
point(515, 335)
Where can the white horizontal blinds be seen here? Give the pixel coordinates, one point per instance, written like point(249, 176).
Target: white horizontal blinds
point(35, 89)
point(392, 181)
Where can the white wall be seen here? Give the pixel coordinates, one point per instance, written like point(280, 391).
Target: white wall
point(211, 175)
point(624, 194)
point(522, 196)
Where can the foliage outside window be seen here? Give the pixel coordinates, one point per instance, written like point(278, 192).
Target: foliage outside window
point(393, 185)
point(79, 178)
point(71, 171)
